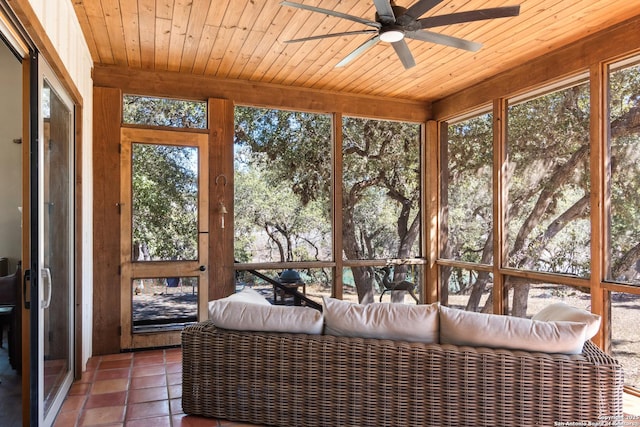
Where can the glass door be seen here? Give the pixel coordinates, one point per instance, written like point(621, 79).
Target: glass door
point(164, 241)
point(52, 268)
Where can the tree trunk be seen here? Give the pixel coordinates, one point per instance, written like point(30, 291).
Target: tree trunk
point(478, 289)
point(483, 277)
point(628, 263)
point(408, 236)
point(275, 240)
point(558, 178)
point(445, 275)
point(363, 283)
point(520, 299)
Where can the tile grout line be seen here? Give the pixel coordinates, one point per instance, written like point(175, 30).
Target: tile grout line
point(88, 391)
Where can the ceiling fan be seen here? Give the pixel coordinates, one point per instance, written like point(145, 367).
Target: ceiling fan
point(393, 23)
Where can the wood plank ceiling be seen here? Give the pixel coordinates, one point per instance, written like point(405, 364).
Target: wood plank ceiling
point(244, 40)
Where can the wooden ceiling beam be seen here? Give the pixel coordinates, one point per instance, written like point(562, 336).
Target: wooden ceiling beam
point(171, 84)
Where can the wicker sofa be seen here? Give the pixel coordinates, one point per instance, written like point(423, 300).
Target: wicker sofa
point(289, 379)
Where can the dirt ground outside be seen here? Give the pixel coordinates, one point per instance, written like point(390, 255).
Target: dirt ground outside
point(157, 302)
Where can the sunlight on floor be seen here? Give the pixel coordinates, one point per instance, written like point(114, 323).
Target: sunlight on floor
point(631, 405)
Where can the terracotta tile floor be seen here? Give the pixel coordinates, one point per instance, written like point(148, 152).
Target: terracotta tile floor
point(131, 389)
point(144, 389)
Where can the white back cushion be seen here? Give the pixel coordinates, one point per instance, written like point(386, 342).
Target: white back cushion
point(416, 323)
point(461, 327)
point(250, 311)
point(247, 295)
point(566, 313)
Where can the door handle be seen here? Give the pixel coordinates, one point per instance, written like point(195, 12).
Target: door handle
point(26, 278)
point(46, 280)
point(202, 268)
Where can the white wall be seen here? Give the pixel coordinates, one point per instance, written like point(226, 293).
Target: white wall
point(10, 156)
point(60, 22)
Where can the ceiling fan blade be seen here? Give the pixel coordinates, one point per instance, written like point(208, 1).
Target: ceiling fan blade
point(385, 11)
point(359, 51)
point(417, 10)
point(474, 15)
point(402, 49)
point(428, 36)
point(324, 36)
point(332, 13)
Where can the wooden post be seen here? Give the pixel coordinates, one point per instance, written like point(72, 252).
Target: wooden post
point(221, 270)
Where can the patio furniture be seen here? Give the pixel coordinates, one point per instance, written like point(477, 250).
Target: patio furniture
point(289, 379)
point(10, 315)
point(290, 279)
point(172, 282)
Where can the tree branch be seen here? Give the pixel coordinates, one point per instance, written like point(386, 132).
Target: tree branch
point(557, 179)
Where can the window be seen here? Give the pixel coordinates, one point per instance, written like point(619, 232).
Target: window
point(546, 199)
point(466, 289)
point(546, 202)
point(467, 196)
point(548, 226)
point(467, 211)
point(540, 294)
point(283, 182)
point(282, 185)
point(624, 145)
point(624, 215)
point(380, 203)
point(146, 110)
point(381, 189)
point(165, 202)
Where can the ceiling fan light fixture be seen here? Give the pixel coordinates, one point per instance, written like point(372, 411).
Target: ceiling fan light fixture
point(392, 35)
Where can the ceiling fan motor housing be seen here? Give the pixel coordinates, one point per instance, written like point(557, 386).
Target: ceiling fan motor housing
point(402, 22)
point(397, 11)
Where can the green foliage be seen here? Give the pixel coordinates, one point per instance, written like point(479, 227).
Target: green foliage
point(548, 149)
point(292, 146)
point(294, 231)
point(470, 145)
point(469, 195)
point(165, 201)
point(291, 154)
point(282, 185)
point(548, 215)
point(624, 116)
point(381, 188)
point(145, 110)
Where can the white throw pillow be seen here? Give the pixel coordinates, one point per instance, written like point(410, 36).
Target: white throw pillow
point(564, 312)
point(416, 323)
point(461, 327)
point(247, 295)
point(250, 311)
